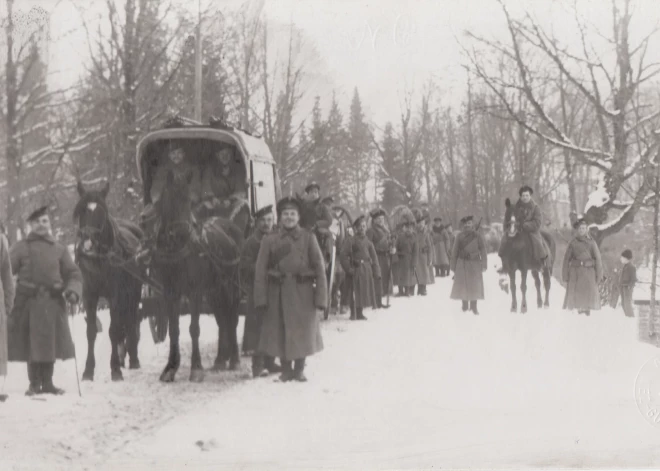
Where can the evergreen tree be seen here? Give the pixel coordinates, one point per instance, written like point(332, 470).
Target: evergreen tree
point(357, 155)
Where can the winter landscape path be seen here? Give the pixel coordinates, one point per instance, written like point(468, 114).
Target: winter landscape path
point(419, 386)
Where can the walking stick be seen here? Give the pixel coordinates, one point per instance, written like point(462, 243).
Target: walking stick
point(75, 357)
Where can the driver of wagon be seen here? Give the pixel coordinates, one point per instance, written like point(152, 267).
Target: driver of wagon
point(177, 162)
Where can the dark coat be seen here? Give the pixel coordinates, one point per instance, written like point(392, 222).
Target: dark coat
point(442, 246)
point(159, 181)
point(530, 218)
point(290, 283)
point(253, 317)
point(425, 256)
point(406, 255)
point(581, 271)
point(469, 259)
point(628, 277)
point(382, 240)
point(315, 215)
point(7, 288)
point(360, 262)
point(39, 330)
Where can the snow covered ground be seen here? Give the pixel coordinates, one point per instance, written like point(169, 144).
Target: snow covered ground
point(420, 385)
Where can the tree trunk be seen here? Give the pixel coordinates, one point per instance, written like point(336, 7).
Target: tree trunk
point(11, 146)
point(471, 159)
point(452, 168)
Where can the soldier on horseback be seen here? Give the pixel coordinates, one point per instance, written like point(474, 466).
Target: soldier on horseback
point(528, 214)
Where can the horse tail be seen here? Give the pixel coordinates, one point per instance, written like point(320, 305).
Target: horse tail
point(552, 248)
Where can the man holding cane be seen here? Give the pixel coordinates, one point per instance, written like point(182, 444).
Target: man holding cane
point(39, 332)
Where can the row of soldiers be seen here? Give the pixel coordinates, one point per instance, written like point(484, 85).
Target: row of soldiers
point(286, 268)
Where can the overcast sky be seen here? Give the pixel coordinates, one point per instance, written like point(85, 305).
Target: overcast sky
point(383, 47)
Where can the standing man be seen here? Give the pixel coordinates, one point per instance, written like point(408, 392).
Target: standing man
point(360, 262)
point(442, 248)
point(406, 255)
point(6, 300)
point(291, 287)
point(261, 364)
point(468, 262)
point(46, 277)
point(380, 237)
point(424, 259)
point(528, 214)
point(316, 216)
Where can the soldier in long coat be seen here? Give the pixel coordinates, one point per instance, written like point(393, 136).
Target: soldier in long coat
point(360, 262)
point(380, 237)
point(581, 271)
point(424, 258)
point(469, 259)
point(528, 214)
point(442, 248)
point(261, 364)
point(46, 276)
point(7, 287)
point(405, 257)
point(290, 285)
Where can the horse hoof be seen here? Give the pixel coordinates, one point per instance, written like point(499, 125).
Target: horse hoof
point(523, 310)
point(88, 376)
point(134, 365)
point(167, 376)
point(514, 309)
point(196, 376)
point(117, 376)
point(546, 306)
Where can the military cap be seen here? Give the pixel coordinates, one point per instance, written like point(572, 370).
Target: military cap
point(37, 213)
point(357, 221)
point(627, 254)
point(264, 211)
point(288, 203)
point(525, 188)
point(437, 219)
point(467, 219)
point(579, 222)
point(377, 213)
point(312, 185)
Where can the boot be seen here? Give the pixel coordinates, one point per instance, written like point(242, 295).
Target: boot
point(353, 316)
point(410, 291)
point(48, 387)
point(298, 370)
point(34, 375)
point(473, 308)
point(287, 371)
point(360, 316)
point(270, 365)
point(421, 290)
point(401, 292)
point(465, 306)
point(258, 369)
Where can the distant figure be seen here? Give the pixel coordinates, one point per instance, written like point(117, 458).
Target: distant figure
point(627, 281)
point(442, 246)
point(582, 270)
point(425, 254)
point(7, 290)
point(380, 236)
point(406, 256)
point(528, 214)
point(469, 259)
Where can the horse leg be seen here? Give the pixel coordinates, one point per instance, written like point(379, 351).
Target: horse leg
point(91, 303)
point(133, 327)
point(523, 290)
point(514, 291)
point(196, 368)
point(232, 338)
point(537, 283)
point(547, 282)
point(174, 359)
point(117, 335)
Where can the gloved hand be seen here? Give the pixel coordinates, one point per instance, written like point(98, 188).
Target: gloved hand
point(71, 297)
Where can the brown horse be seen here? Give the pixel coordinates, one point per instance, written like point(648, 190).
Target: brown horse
point(197, 260)
point(104, 252)
point(519, 257)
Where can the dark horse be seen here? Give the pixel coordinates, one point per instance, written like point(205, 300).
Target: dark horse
point(105, 248)
point(186, 265)
point(519, 257)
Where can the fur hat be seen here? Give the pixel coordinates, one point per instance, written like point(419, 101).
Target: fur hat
point(525, 188)
point(288, 203)
point(627, 254)
point(358, 220)
point(311, 186)
point(377, 213)
point(579, 222)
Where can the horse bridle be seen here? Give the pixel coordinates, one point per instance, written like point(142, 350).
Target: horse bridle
point(94, 235)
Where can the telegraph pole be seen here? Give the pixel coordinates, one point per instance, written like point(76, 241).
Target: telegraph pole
point(198, 65)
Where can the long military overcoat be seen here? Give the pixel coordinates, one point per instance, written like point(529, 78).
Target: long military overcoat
point(253, 317)
point(290, 283)
point(38, 327)
point(469, 259)
point(360, 262)
point(381, 238)
point(405, 257)
point(581, 271)
point(424, 258)
point(6, 300)
point(442, 246)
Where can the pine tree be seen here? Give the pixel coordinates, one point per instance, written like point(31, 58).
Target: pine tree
point(357, 162)
point(390, 168)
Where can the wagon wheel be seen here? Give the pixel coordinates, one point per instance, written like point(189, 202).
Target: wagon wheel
point(158, 326)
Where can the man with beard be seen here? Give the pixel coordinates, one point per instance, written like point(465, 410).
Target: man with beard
point(380, 237)
point(46, 277)
point(291, 288)
point(528, 214)
point(360, 262)
point(261, 364)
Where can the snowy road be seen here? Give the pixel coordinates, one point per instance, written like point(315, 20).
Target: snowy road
point(418, 386)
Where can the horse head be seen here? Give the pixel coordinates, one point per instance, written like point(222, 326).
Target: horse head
point(95, 231)
point(511, 226)
point(175, 210)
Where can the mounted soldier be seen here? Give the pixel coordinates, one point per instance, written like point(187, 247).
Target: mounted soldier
point(383, 242)
point(468, 262)
point(528, 214)
point(360, 262)
point(38, 329)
